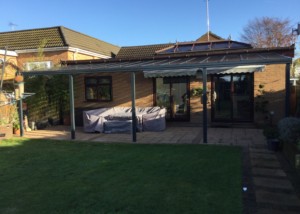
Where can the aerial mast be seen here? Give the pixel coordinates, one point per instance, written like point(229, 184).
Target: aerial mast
point(207, 18)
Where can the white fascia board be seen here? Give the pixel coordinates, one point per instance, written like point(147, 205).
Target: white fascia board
point(72, 49)
point(8, 53)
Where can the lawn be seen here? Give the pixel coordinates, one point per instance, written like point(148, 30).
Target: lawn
point(44, 176)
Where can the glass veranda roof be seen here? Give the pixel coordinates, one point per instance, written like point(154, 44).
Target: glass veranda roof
point(166, 63)
point(203, 46)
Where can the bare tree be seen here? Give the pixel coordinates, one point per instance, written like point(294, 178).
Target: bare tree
point(268, 32)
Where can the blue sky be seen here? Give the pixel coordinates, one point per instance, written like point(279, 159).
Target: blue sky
point(139, 22)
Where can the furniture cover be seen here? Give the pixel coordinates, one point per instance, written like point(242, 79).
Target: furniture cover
point(147, 118)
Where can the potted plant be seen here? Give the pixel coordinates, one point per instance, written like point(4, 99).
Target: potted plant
point(15, 121)
point(16, 128)
point(197, 92)
point(272, 135)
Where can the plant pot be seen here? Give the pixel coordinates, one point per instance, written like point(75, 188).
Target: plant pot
point(292, 154)
point(67, 120)
point(273, 144)
point(17, 131)
point(19, 78)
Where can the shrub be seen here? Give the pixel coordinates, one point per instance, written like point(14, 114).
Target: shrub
point(289, 129)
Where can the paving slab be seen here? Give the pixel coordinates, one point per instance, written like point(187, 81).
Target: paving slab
point(265, 163)
point(275, 211)
point(282, 199)
point(268, 172)
point(283, 184)
point(266, 156)
point(260, 150)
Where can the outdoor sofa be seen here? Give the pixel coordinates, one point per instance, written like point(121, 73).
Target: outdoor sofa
point(119, 119)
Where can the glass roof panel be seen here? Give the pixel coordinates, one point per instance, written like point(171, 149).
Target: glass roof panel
point(223, 45)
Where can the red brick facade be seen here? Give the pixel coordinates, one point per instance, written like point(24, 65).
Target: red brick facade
point(273, 79)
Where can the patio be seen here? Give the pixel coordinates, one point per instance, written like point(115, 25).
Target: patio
point(172, 135)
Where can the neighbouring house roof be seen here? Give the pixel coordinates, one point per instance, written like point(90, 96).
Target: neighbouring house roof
point(55, 37)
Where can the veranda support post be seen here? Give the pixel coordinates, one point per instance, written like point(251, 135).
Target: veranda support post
point(20, 101)
point(133, 107)
point(287, 89)
point(72, 114)
point(204, 80)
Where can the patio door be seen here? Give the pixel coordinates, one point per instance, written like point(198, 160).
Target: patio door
point(172, 93)
point(232, 98)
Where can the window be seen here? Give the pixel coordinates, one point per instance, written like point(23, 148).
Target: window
point(98, 89)
point(30, 66)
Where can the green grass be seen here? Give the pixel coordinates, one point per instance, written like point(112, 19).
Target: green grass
point(43, 176)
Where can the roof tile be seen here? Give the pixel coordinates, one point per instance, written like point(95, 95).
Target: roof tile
point(55, 37)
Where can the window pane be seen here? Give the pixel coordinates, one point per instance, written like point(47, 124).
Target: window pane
point(91, 93)
point(91, 81)
point(104, 81)
point(104, 92)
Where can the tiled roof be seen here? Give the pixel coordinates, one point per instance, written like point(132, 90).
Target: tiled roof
point(212, 37)
point(82, 41)
point(31, 39)
point(141, 51)
point(152, 50)
point(55, 37)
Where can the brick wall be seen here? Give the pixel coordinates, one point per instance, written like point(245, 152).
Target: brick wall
point(79, 56)
point(10, 69)
point(273, 80)
point(39, 106)
point(54, 56)
point(121, 91)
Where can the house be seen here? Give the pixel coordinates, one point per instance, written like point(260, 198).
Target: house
point(45, 48)
point(247, 94)
point(199, 83)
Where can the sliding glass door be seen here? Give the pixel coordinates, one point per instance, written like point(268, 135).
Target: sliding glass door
point(232, 98)
point(173, 94)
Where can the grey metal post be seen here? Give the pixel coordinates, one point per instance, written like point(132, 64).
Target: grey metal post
point(21, 116)
point(287, 89)
point(133, 107)
point(3, 68)
point(72, 114)
point(204, 80)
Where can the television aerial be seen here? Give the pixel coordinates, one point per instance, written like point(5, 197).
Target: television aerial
point(12, 26)
point(297, 30)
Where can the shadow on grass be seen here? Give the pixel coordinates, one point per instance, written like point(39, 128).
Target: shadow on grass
point(44, 176)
